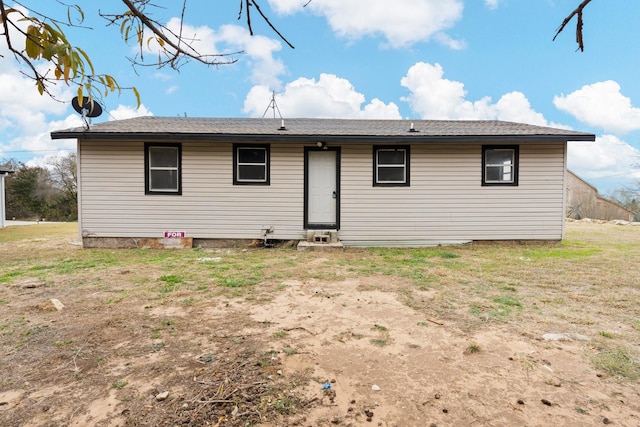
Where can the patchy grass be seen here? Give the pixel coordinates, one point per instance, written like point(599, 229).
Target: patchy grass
point(617, 361)
point(36, 232)
point(118, 384)
point(472, 349)
point(584, 284)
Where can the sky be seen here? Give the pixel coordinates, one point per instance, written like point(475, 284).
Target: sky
point(373, 59)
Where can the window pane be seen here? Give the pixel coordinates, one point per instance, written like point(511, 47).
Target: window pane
point(251, 173)
point(391, 174)
point(493, 174)
point(165, 180)
point(499, 174)
point(163, 157)
point(252, 155)
point(498, 157)
point(499, 165)
point(391, 157)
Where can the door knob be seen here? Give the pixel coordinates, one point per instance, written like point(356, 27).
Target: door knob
point(335, 195)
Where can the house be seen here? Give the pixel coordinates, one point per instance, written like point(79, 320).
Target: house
point(3, 211)
point(360, 182)
point(584, 201)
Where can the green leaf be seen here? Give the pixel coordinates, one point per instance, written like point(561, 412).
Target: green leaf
point(31, 46)
point(111, 83)
point(87, 60)
point(137, 94)
point(49, 51)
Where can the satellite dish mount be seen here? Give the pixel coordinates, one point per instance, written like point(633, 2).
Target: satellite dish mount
point(88, 108)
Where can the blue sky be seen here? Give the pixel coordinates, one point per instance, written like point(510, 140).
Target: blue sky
point(412, 59)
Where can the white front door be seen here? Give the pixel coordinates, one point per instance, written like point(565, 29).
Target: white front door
point(322, 189)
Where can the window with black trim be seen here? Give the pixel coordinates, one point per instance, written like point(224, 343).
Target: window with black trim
point(163, 164)
point(251, 164)
point(500, 165)
point(391, 166)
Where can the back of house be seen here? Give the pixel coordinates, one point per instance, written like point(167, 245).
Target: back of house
point(356, 182)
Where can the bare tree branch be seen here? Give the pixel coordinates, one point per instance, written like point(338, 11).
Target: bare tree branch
point(42, 38)
point(175, 46)
point(266, 19)
point(578, 11)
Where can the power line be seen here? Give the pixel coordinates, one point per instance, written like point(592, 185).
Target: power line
point(35, 151)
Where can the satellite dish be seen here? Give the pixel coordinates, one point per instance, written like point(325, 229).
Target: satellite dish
point(89, 108)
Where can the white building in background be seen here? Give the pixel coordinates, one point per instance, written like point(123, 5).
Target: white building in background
point(3, 214)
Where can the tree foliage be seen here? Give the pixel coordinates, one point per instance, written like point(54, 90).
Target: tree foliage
point(32, 37)
point(629, 198)
point(64, 175)
point(35, 192)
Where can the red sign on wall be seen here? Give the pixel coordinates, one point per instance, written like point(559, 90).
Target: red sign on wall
point(174, 234)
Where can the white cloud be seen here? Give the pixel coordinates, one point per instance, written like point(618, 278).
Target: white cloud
point(24, 114)
point(228, 39)
point(602, 105)
point(127, 112)
point(328, 97)
point(608, 158)
point(454, 44)
point(515, 107)
point(45, 161)
point(22, 107)
point(434, 97)
point(401, 22)
point(260, 51)
point(492, 4)
point(39, 141)
point(286, 7)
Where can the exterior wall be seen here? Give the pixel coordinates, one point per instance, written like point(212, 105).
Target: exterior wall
point(114, 203)
point(445, 201)
point(584, 201)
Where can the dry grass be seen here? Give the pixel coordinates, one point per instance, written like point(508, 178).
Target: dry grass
point(587, 284)
point(588, 279)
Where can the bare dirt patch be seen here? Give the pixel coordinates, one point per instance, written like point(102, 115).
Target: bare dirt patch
point(412, 337)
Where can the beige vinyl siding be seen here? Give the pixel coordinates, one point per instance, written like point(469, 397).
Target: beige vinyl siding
point(444, 202)
point(114, 203)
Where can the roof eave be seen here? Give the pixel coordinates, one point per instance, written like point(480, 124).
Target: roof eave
point(284, 136)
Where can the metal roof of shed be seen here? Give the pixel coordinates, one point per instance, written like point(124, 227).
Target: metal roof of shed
point(153, 128)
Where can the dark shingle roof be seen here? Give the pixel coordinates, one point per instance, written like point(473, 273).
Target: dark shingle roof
point(155, 128)
point(5, 171)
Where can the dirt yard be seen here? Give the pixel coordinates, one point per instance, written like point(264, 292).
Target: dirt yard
point(480, 335)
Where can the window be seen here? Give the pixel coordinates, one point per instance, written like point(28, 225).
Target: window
point(163, 168)
point(391, 166)
point(500, 165)
point(250, 164)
